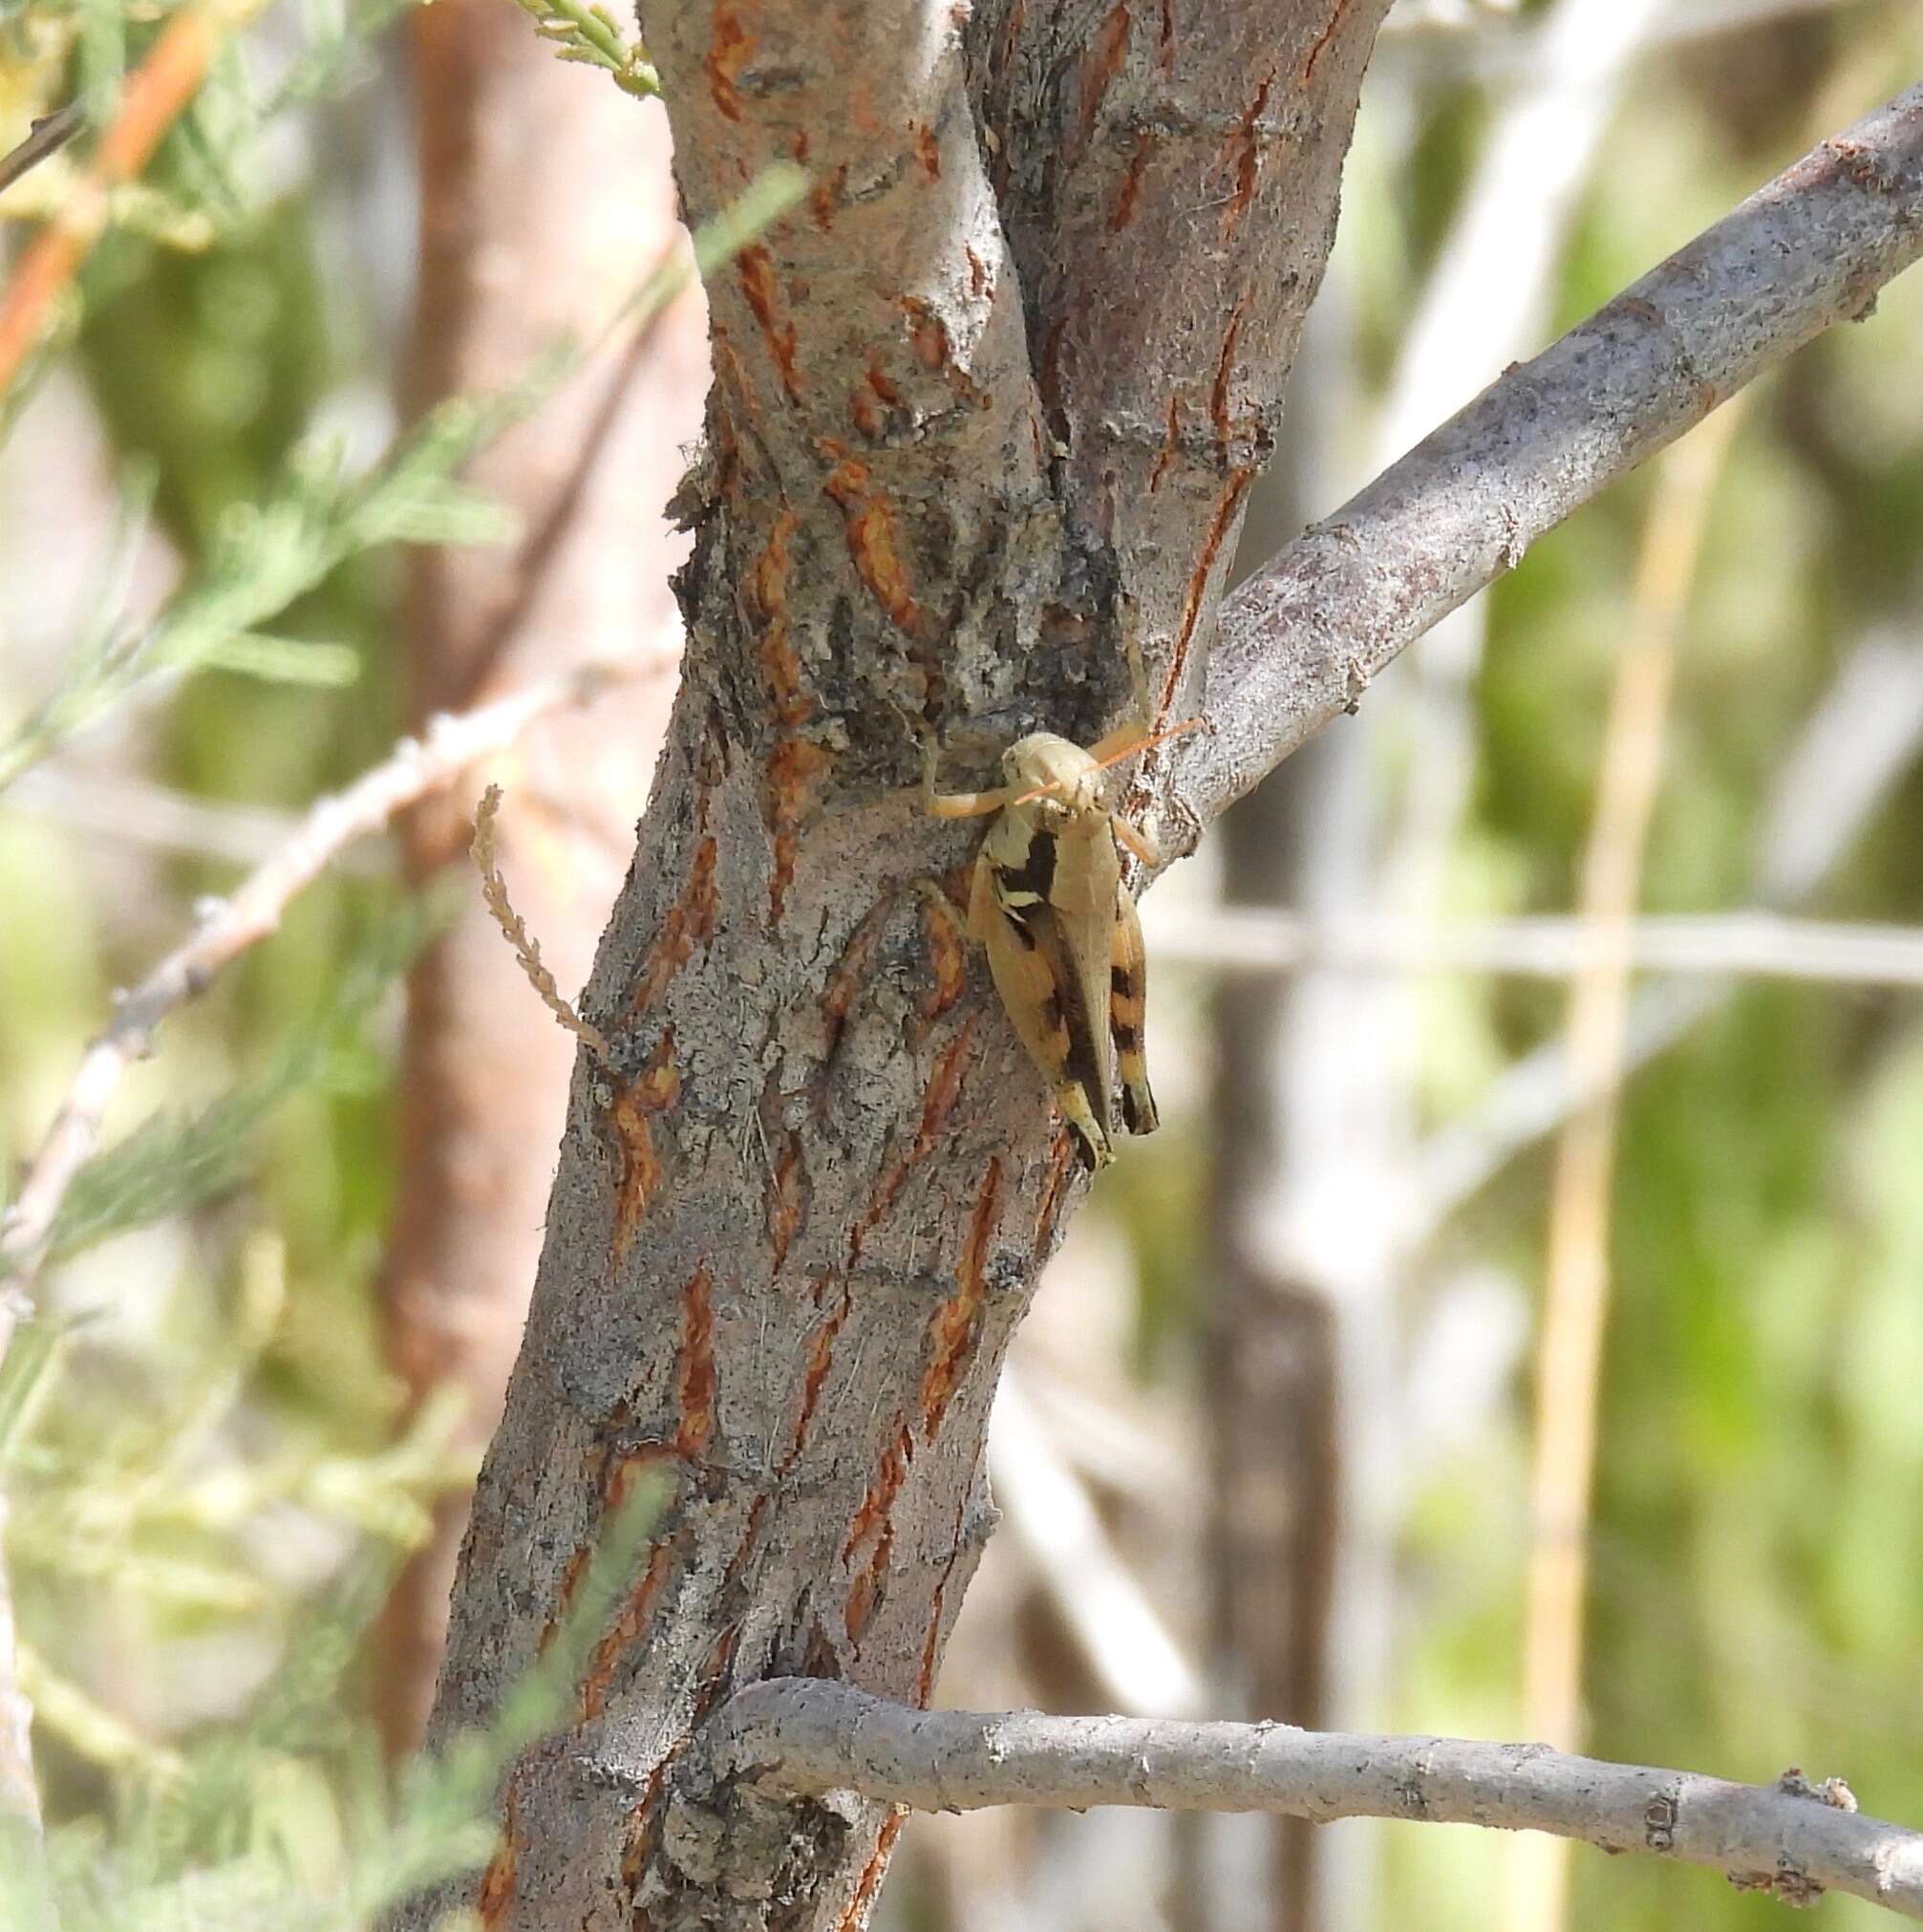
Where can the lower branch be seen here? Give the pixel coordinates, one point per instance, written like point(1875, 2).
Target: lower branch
point(807, 1737)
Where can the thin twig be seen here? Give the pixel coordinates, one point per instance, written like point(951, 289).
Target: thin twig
point(416, 768)
point(46, 137)
point(1576, 1308)
point(799, 1737)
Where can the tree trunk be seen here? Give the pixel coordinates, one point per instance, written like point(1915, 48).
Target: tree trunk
point(1014, 362)
point(506, 264)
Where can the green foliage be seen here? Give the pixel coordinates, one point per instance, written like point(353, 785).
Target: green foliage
point(586, 33)
point(287, 1818)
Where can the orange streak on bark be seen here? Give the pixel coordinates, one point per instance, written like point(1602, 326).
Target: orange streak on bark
point(953, 1327)
point(640, 1836)
point(1323, 40)
point(152, 99)
point(728, 49)
point(619, 1475)
point(882, 1492)
point(756, 268)
point(1243, 153)
point(792, 769)
point(1131, 191)
point(1225, 374)
point(699, 1380)
point(1054, 1191)
point(1105, 56)
point(821, 1359)
point(948, 956)
point(768, 606)
point(1171, 442)
point(944, 1088)
point(824, 199)
point(689, 923)
point(928, 151)
point(876, 1516)
point(656, 1088)
point(627, 1627)
point(925, 1679)
point(497, 1884)
point(1198, 581)
point(872, 1873)
point(790, 1193)
point(929, 338)
point(870, 523)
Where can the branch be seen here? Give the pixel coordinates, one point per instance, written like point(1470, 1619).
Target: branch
point(805, 1737)
point(45, 138)
point(416, 768)
point(1302, 639)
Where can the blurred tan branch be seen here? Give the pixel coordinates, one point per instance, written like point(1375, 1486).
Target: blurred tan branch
point(155, 95)
point(1753, 942)
point(794, 1736)
point(1570, 1350)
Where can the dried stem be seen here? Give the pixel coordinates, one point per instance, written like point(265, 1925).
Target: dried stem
point(526, 947)
point(1568, 1369)
point(45, 138)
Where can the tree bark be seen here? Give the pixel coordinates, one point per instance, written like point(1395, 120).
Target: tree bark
point(1016, 361)
point(514, 248)
point(798, 1214)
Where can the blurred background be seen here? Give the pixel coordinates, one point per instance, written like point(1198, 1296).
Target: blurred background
point(1516, 1331)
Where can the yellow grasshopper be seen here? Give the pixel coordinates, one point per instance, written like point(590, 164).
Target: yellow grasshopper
point(1064, 940)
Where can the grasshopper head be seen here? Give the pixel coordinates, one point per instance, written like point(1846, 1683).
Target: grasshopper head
point(1073, 781)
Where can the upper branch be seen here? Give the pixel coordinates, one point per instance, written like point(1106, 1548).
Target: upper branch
point(805, 1737)
point(1301, 640)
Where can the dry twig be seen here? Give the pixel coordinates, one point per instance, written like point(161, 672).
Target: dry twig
point(47, 136)
point(526, 947)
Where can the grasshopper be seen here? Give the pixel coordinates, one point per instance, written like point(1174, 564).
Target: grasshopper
point(1065, 944)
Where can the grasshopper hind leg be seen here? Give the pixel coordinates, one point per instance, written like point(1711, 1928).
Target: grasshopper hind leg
point(1128, 1008)
point(1033, 1001)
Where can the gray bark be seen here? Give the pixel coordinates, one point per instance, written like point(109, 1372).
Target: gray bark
point(971, 396)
